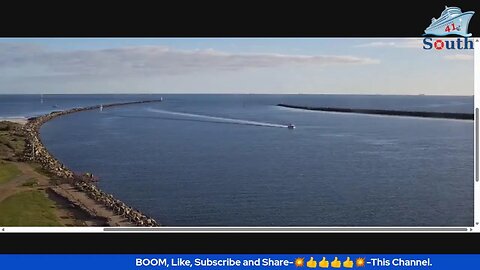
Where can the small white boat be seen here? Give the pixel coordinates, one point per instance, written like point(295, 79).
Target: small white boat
point(291, 126)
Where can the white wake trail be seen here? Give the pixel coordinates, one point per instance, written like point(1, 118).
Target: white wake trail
point(219, 119)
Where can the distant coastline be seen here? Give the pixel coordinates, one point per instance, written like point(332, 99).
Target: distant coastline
point(18, 120)
point(239, 93)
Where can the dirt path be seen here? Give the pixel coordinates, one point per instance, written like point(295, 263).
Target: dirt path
point(82, 200)
point(12, 186)
point(28, 171)
point(76, 204)
point(28, 174)
point(74, 208)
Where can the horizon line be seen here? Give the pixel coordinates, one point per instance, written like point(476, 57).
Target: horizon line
point(242, 93)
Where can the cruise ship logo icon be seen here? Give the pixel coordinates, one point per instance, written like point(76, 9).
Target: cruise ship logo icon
point(452, 22)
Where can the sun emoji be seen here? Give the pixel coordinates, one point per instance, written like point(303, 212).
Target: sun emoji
point(360, 262)
point(299, 262)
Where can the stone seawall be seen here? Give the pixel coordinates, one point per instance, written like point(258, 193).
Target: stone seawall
point(35, 151)
point(443, 115)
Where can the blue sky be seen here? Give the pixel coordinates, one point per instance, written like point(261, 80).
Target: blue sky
point(232, 65)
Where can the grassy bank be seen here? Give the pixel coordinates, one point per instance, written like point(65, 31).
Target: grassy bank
point(23, 204)
point(8, 172)
point(12, 142)
point(28, 208)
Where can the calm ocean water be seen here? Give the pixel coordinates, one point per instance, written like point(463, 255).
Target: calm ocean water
point(229, 160)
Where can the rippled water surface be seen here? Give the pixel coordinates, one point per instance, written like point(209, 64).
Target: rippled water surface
point(230, 160)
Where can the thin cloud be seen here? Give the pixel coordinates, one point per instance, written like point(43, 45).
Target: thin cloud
point(407, 43)
point(155, 60)
point(376, 44)
point(459, 57)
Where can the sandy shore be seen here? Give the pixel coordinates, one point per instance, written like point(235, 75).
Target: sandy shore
point(18, 120)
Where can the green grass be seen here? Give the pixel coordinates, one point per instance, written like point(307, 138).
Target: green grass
point(7, 172)
point(11, 142)
point(5, 126)
point(17, 145)
point(30, 183)
point(28, 208)
point(38, 168)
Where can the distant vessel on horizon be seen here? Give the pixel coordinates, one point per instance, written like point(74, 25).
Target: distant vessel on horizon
point(291, 126)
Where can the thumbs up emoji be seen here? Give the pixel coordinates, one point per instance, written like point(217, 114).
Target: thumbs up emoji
point(348, 263)
point(336, 263)
point(323, 263)
point(312, 263)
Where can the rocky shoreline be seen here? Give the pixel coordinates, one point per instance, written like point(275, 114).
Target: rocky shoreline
point(35, 151)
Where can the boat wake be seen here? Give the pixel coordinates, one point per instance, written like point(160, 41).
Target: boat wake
point(215, 119)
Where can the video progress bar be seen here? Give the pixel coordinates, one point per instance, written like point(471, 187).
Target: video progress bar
point(281, 229)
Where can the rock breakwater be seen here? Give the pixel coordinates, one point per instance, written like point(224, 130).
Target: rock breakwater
point(444, 115)
point(35, 151)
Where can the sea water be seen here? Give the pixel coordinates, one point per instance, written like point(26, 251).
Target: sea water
point(229, 160)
